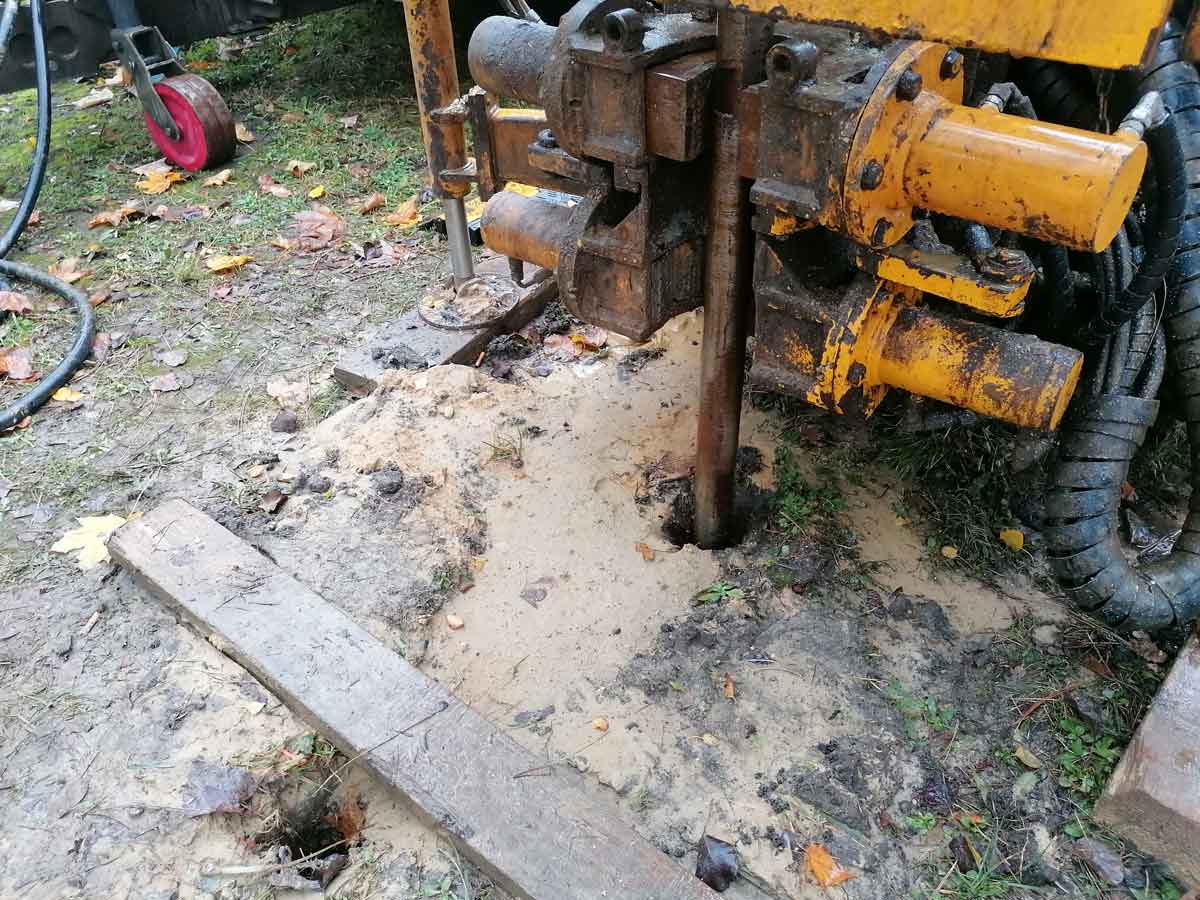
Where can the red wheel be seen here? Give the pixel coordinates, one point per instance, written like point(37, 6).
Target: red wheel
point(207, 135)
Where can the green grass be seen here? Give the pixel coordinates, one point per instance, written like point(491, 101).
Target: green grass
point(718, 592)
point(798, 503)
point(923, 715)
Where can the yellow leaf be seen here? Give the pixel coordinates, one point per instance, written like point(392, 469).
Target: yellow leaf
point(243, 134)
point(710, 739)
point(1025, 755)
point(1013, 538)
point(372, 203)
point(646, 550)
point(600, 724)
point(90, 539)
point(730, 688)
point(407, 215)
point(220, 179)
point(283, 243)
point(903, 520)
point(825, 870)
point(66, 395)
point(159, 182)
point(317, 193)
point(113, 217)
point(473, 208)
point(226, 263)
point(950, 551)
point(299, 168)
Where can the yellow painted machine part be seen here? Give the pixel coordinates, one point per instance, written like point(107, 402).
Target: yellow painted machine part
point(1014, 377)
point(1048, 181)
point(1110, 34)
point(975, 294)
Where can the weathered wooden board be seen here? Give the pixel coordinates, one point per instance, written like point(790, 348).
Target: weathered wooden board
point(1153, 797)
point(359, 371)
point(532, 832)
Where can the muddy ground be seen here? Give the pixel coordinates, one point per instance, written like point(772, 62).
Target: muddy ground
point(840, 678)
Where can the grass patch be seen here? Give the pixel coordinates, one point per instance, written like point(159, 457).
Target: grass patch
point(798, 503)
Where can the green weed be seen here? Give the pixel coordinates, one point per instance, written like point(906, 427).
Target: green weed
point(718, 592)
point(797, 503)
point(1086, 760)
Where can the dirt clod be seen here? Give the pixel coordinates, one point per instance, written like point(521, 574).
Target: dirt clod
point(286, 422)
point(717, 863)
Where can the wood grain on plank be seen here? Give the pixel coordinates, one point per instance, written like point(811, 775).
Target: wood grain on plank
point(534, 834)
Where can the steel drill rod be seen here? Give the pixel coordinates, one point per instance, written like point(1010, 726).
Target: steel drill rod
point(460, 241)
point(723, 352)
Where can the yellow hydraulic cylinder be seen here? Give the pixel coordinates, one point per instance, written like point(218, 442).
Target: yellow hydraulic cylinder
point(1049, 181)
point(1015, 377)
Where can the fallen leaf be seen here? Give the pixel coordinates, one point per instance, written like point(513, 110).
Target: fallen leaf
point(299, 169)
point(90, 539)
point(16, 363)
point(165, 384)
point(173, 358)
point(159, 182)
point(382, 254)
point(101, 346)
point(212, 788)
point(600, 723)
point(561, 347)
point(291, 118)
point(68, 270)
point(646, 550)
point(283, 243)
point(950, 551)
point(902, 521)
point(11, 301)
point(272, 500)
point(349, 121)
point(351, 818)
point(220, 179)
point(1097, 665)
point(407, 214)
point(709, 739)
point(243, 134)
point(454, 623)
point(114, 217)
point(35, 219)
point(317, 229)
point(222, 264)
point(590, 337)
point(372, 203)
point(1026, 757)
point(122, 77)
point(824, 869)
point(66, 395)
point(730, 688)
point(358, 170)
point(1140, 643)
point(95, 97)
point(1013, 539)
point(1129, 493)
point(288, 394)
point(317, 193)
point(267, 185)
point(99, 297)
point(160, 166)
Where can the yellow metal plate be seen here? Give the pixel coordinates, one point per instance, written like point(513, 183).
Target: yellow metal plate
point(1111, 34)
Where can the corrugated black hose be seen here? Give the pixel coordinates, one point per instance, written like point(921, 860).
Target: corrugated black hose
point(82, 347)
point(1108, 422)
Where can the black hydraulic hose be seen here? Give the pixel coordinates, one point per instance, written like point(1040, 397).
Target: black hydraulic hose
point(85, 330)
point(76, 356)
point(1103, 430)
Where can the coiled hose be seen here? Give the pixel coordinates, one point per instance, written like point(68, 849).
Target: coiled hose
point(82, 347)
point(1110, 417)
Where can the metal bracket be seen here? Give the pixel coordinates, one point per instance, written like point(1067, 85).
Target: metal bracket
point(149, 56)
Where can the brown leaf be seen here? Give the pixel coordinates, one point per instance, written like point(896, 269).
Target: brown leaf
point(165, 384)
point(351, 818)
point(561, 347)
point(407, 214)
point(1140, 643)
point(68, 270)
point(35, 219)
point(11, 301)
point(97, 298)
point(646, 550)
point(267, 185)
point(299, 168)
point(101, 346)
point(372, 203)
point(1097, 665)
point(95, 97)
point(590, 337)
point(173, 358)
point(220, 179)
point(243, 134)
point(1129, 493)
point(730, 689)
point(824, 869)
point(16, 363)
point(600, 723)
point(317, 228)
point(114, 217)
point(272, 500)
point(360, 170)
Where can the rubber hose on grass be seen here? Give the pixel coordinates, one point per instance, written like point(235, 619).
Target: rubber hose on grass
point(85, 331)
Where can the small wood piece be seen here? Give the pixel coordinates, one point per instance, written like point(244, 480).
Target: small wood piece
point(1153, 797)
point(359, 371)
point(538, 837)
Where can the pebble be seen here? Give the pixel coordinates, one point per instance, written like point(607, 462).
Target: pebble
point(1101, 858)
point(319, 484)
point(717, 863)
point(388, 481)
point(1046, 635)
point(287, 422)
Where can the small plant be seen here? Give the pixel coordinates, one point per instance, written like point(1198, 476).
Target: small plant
point(1086, 760)
point(326, 401)
point(450, 576)
point(509, 449)
point(797, 503)
point(641, 799)
point(717, 592)
point(936, 717)
point(440, 890)
point(921, 822)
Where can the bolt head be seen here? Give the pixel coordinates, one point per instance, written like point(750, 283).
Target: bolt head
point(909, 85)
point(871, 176)
point(545, 138)
point(952, 65)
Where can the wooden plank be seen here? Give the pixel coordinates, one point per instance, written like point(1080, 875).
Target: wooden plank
point(536, 835)
point(358, 371)
point(1153, 797)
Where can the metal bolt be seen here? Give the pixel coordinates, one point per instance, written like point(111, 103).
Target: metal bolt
point(623, 30)
point(908, 86)
point(872, 175)
point(952, 65)
point(793, 61)
point(547, 140)
point(880, 232)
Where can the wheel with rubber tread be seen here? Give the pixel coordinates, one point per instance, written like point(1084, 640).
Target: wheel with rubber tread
point(207, 133)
